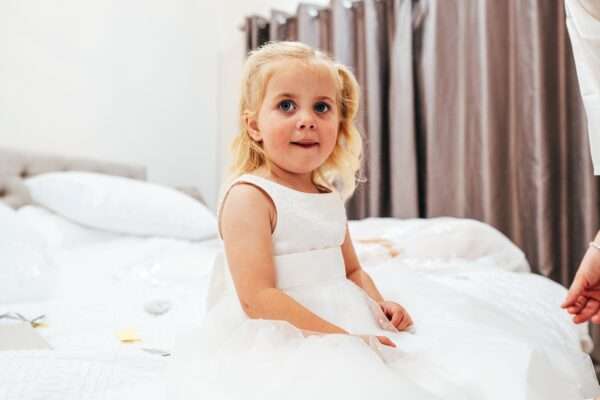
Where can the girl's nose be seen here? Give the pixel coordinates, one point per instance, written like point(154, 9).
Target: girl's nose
point(305, 123)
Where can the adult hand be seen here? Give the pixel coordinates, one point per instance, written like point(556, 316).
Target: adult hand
point(583, 298)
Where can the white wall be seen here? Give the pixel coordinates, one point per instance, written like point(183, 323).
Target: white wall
point(150, 82)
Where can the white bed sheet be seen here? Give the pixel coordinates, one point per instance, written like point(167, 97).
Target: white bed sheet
point(102, 290)
point(104, 285)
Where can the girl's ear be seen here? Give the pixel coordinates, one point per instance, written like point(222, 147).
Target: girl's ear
point(252, 126)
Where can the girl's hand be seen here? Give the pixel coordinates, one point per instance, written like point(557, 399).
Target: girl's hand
point(372, 341)
point(396, 314)
point(386, 341)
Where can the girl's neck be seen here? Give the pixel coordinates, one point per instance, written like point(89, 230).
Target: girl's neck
point(300, 182)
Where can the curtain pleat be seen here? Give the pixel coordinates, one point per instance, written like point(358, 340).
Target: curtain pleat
point(404, 145)
point(376, 62)
point(283, 26)
point(257, 32)
point(309, 25)
point(347, 35)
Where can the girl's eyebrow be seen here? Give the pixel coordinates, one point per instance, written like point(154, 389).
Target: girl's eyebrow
point(325, 98)
point(285, 95)
point(292, 96)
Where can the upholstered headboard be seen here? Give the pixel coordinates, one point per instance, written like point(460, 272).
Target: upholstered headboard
point(15, 165)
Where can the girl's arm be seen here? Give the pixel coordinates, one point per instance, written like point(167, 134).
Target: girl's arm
point(396, 314)
point(246, 226)
point(355, 273)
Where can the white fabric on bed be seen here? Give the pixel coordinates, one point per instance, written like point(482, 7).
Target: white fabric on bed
point(59, 233)
point(5, 210)
point(62, 375)
point(103, 286)
point(444, 239)
point(122, 205)
point(102, 289)
point(26, 271)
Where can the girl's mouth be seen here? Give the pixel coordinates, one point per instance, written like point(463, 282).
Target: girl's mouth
point(306, 145)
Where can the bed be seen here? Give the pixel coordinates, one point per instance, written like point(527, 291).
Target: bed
point(116, 287)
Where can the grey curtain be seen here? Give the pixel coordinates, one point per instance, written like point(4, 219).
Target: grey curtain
point(257, 31)
point(470, 108)
point(501, 132)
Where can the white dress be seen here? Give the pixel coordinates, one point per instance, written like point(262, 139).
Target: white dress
point(230, 356)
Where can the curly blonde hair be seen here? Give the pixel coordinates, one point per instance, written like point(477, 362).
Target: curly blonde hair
point(340, 170)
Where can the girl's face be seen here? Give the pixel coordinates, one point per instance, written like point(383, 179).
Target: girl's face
point(298, 120)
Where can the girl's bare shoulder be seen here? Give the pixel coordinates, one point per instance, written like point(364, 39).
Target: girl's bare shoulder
point(247, 205)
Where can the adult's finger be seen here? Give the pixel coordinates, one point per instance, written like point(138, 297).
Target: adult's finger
point(579, 305)
point(592, 293)
point(576, 290)
point(590, 309)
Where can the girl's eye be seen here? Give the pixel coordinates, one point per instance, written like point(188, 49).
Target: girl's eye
point(287, 106)
point(321, 107)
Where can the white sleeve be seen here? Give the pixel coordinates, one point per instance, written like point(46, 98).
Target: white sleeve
point(583, 24)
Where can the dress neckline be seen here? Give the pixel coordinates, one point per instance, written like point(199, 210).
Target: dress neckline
point(290, 188)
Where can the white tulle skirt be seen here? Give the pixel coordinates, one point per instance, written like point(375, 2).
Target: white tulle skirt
point(452, 357)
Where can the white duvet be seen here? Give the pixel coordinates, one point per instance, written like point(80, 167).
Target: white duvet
point(105, 280)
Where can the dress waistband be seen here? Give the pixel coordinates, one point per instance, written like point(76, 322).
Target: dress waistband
point(309, 267)
point(299, 269)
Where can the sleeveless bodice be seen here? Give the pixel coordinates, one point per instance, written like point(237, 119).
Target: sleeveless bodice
point(305, 221)
point(307, 238)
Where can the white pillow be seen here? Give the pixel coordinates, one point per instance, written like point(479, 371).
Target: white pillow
point(122, 205)
point(26, 270)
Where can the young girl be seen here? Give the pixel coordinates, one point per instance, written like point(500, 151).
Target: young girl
point(291, 313)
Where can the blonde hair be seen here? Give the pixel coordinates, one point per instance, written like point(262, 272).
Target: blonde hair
point(341, 168)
